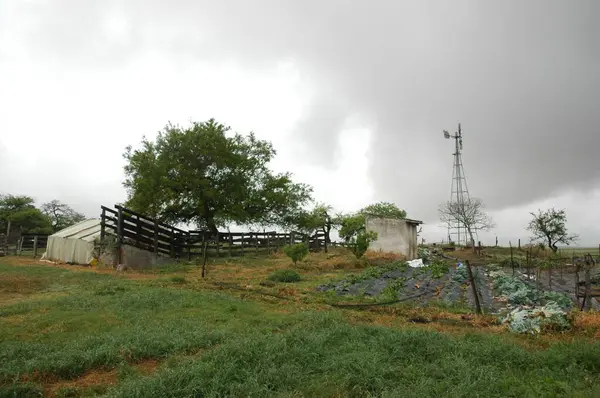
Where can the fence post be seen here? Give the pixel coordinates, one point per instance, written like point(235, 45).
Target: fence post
point(155, 237)
point(256, 241)
point(218, 243)
point(138, 231)
point(230, 244)
point(35, 242)
point(475, 294)
point(102, 225)
point(519, 243)
point(268, 243)
point(189, 247)
point(512, 263)
point(242, 245)
point(119, 233)
point(172, 242)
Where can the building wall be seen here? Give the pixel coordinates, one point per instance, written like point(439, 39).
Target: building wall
point(396, 236)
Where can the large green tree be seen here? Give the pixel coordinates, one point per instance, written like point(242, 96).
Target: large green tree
point(354, 223)
point(22, 215)
point(61, 215)
point(206, 175)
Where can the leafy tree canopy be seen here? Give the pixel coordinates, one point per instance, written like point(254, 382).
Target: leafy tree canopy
point(319, 218)
point(23, 216)
point(353, 224)
point(61, 215)
point(550, 227)
point(205, 175)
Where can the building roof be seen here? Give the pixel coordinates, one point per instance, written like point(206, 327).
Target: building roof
point(86, 230)
point(407, 220)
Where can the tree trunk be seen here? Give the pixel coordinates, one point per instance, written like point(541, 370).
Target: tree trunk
point(552, 246)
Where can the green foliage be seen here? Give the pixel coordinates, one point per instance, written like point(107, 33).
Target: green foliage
point(61, 215)
point(23, 215)
point(518, 292)
point(285, 275)
point(384, 210)
point(438, 269)
point(360, 243)
point(353, 224)
point(550, 227)
point(204, 175)
point(550, 317)
point(178, 279)
point(296, 252)
point(320, 218)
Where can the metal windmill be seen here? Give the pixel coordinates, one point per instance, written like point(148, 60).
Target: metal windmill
point(459, 191)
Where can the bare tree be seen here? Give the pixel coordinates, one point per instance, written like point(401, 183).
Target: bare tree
point(468, 213)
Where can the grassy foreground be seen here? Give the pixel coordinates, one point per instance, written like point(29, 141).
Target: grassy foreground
point(68, 332)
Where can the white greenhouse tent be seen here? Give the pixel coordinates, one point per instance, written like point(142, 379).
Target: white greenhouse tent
point(74, 244)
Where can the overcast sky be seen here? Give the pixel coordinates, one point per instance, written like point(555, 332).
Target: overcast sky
point(353, 94)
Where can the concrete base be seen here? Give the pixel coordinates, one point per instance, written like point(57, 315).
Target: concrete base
point(134, 258)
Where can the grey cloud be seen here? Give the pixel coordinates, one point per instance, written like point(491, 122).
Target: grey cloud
point(522, 77)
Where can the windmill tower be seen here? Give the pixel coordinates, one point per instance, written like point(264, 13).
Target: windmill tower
point(459, 191)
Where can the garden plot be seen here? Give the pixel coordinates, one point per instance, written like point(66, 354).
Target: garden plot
point(528, 309)
point(433, 282)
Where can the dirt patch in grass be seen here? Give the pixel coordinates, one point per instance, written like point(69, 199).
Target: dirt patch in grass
point(90, 379)
point(95, 379)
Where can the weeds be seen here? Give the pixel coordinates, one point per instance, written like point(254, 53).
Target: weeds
point(285, 275)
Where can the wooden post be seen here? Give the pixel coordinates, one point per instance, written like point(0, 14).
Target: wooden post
point(218, 243)
point(138, 231)
point(189, 246)
point(119, 233)
point(205, 257)
point(204, 246)
point(172, 242)
point(577, 268)
point(519, 243)
point(587, 299)
point(527, 263)
point(512, 262)
point(473, 287)
point(242, 245)
point(326, 243)
point(230, 245)
point(269, 243)
point(35, 244)
point(156, 237)
point(256, 241)
point(102, 225)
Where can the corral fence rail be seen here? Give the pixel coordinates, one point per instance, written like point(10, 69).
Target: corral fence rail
point(135, 229)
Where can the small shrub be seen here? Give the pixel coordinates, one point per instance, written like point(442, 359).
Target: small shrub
point(178, 279)
point(360, 244)
point(296, 252)
point(285, 275)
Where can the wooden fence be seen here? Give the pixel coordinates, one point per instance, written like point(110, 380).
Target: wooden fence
point(135, 229)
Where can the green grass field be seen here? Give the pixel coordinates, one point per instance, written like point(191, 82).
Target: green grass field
point(72, 332)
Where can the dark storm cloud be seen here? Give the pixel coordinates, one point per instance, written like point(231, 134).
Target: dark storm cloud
point(522, 77)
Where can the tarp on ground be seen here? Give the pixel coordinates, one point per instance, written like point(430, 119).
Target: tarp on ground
point(74, 244)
